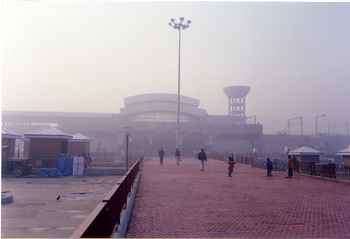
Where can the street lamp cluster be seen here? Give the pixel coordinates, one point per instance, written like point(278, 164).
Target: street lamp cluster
point(182, 25)
point(179, 25)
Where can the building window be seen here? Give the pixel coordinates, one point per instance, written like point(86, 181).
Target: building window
point(169, 117)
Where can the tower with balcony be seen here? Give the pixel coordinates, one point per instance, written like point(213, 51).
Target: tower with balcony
point(236, 102)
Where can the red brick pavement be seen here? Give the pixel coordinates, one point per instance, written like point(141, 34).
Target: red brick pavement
point(180, 201)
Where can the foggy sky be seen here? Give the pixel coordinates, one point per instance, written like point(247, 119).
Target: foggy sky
point(87, 56)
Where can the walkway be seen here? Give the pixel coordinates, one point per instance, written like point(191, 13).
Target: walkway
point(180, 201)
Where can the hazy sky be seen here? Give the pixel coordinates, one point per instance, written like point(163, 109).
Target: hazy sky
point(87, 56)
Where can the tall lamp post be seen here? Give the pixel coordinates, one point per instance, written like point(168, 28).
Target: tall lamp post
point(316, 123)
point(179, 26)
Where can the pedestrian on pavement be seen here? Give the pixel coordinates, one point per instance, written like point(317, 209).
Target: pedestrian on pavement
point(269, 167)
point(231, 165)
point(89, 160)
point(177, 156)
point(202, 156)
point(290, 167)
point(161, 155)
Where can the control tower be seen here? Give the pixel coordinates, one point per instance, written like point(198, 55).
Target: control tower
point(236, 102)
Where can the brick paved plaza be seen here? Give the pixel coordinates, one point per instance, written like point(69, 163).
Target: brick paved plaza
point(182, 201)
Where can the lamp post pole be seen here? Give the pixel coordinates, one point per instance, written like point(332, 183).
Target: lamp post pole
point(179, 26)
point(127, 134)
point(316, 123)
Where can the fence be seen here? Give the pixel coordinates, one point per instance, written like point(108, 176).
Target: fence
point(330, 170)
point(51, 161)
point(114, 162)
point(342, 172)
point(239, 159)
point(45, 160)
point(245, 160)
point(103, 220)
point(319, 169)
point(220, 157)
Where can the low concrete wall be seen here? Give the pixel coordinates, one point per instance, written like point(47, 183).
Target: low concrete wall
point(105, 171)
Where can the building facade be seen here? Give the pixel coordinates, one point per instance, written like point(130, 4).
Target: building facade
point(153, 122)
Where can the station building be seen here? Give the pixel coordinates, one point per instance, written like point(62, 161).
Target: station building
point(153, 122)
point(153, 118)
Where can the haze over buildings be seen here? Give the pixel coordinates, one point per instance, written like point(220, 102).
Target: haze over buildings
point(87, 56)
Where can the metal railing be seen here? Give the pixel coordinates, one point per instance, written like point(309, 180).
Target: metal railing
point(323, 169)
point(103, 220)
point(45, 160)
point(220, 157)
point(245, 160)
point(112, 162)
point(320, 169)
point(331, 170)
point(51, 161)
point(343, 172)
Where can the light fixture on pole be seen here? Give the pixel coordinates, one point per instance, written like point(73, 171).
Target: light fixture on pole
point(182, 25)
point(316, 123)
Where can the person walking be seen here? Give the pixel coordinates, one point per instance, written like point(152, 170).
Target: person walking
point(290, 167)
point(177, 156)
point(89, 160)
point(269, 167)
point(202, 156)
point(231, 165)
point(161, 155)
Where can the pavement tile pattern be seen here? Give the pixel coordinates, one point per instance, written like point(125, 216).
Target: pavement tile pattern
point(181, 201)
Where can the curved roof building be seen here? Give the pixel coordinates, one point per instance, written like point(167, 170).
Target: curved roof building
point(161, 107)
point(153, 120)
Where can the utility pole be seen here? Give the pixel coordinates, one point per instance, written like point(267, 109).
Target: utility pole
point(316, 123)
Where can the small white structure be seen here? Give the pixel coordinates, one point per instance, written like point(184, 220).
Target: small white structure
point(346, 156)
point(306, 154)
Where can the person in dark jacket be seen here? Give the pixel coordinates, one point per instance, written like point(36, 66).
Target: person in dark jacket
point(177, 156)
point(202, 156)
point(269, 167)
point(161, 155)
point(231, 165)
point(290, 167)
